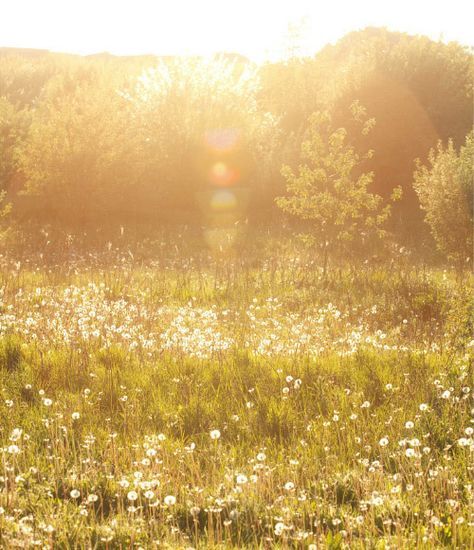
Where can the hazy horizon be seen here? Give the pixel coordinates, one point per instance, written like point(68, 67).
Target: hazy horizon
point(260, 32)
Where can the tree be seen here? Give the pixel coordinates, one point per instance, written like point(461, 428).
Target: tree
point(181, 106)
point(13, 129)
point(418, 90)
point(330, 191)
point(79, 157)
point(446, 191)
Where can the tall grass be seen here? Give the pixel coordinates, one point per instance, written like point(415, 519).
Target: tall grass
point(183, 400)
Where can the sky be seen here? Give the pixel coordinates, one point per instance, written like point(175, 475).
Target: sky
point(258, 29)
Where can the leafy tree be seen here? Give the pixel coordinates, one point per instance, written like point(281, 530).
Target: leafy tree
point(329, 190)
point(13, 129)
point(178, 105)
point(418, 90)
point(80, 155)
point(446, 192)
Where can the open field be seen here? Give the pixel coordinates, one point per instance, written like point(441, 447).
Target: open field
point(236, 275)
point(190, 401)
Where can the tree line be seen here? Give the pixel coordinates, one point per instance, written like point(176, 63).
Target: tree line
point(99, 139)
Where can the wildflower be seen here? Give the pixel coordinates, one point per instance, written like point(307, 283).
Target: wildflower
point(170, 500)
point(132, 496)
point(92, 498)
point(149, 494)
point(423, 407)
point(75, 416)
point(241, 479)
point(409, 425)
point(47, 402)
point(215, 434)
point(279, 528)
point(377, 500)
point(383, 442)
point(16, 434)
point(446, 394)
point(261, 457)
point(289, 486)
point(75, 494)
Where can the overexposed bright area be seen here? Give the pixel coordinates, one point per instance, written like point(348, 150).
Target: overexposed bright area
point(260, 30)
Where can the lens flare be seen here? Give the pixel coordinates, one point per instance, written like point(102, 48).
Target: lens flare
point(223, 201)
point(222, 162)
point(222, 175)
point(222, 139)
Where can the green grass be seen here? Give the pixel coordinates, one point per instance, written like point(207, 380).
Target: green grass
point(110, 394)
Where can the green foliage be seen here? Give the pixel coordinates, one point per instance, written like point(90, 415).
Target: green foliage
point(446, 191)
point(180, 107)
point(10, 354)
point(329, 191)
point(106, 140)
point(394, 75)
point(79, 155)
point(13, 128)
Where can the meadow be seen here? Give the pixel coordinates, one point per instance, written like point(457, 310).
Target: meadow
point(165, 397)
point(236, 284)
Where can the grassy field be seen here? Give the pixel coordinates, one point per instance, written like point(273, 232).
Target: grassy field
point(188, 401)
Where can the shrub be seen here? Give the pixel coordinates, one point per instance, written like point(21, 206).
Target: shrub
point(445, 190)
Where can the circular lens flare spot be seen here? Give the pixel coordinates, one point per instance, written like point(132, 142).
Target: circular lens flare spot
point(222, 139)
point(223, 200)
point(223, 175)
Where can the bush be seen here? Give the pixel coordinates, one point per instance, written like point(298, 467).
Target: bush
point(446, 191)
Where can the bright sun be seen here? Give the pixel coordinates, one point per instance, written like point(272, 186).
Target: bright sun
point(258, 29)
